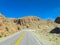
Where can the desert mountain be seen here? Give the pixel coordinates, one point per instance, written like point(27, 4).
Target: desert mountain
point(12, 25)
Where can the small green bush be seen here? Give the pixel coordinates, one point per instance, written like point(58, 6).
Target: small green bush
point(0, 36)
point(7, 29)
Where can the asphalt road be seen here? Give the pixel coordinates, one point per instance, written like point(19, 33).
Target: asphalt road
point(22, 38)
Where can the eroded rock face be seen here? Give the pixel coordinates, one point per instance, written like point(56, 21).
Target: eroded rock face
point(7, 26)
point(57, 20)
point(27, 19)
point(33, 22)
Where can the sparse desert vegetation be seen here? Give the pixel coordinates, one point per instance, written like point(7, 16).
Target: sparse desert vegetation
point(47, 38)
point(9, 26)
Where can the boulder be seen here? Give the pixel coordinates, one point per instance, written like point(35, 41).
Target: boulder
point(55, 30)
point(58, 20)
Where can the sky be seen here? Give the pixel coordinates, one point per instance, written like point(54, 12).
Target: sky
point(45, 9)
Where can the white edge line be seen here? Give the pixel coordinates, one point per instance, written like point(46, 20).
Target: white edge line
point(37, 39)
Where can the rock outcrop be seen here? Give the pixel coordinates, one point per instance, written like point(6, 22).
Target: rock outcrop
point(58, 20)
point(55, 30)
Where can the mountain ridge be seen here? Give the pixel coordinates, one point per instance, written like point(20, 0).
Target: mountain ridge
point(12, 25)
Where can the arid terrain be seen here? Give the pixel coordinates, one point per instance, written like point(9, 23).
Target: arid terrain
point(45, 29)
point(12, 25)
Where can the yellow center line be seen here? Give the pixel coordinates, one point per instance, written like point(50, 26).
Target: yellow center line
point(20, 39)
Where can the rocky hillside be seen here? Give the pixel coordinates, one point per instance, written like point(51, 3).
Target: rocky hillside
point(12, 25)
point(7, 27)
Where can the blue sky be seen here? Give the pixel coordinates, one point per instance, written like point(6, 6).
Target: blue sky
point(42, 8)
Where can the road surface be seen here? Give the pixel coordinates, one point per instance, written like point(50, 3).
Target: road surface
point(22, 38)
